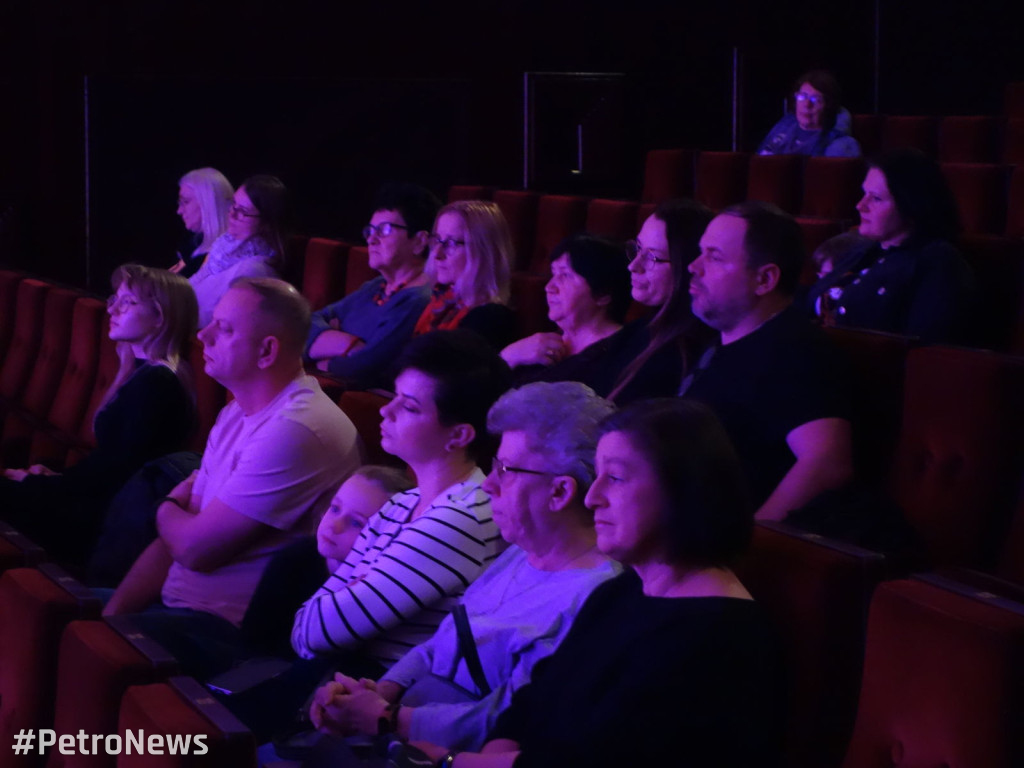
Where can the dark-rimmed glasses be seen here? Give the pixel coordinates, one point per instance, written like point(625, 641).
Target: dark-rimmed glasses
point(383, 229)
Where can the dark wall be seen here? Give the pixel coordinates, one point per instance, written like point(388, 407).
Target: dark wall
point(338, 97)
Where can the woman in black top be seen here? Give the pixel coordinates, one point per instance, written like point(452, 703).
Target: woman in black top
point(910, 279)
point(148, 411)
point(672, 663)
point(204, 197)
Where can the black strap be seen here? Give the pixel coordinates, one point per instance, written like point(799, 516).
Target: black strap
point(467, 647)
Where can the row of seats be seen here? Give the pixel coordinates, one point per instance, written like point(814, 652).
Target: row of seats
point(56, 364)
point(950, 139)
point(914, 671)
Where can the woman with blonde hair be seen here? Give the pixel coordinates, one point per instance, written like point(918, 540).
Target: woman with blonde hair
point(204, 197)
point(148, 412)
point(470, 253)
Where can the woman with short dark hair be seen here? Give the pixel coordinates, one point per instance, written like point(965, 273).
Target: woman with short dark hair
point(672, 662)
point(909, 278)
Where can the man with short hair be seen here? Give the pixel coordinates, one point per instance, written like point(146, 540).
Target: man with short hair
point(272, 461)
point(779, 387)
point(356, 338)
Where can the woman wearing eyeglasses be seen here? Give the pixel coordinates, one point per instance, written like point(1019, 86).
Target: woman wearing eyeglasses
point(470, 253)
point(204, 199)
point(253, 245)
point(817, 125)
point(148, 412)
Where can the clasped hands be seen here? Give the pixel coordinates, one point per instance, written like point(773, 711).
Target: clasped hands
point(348, 706)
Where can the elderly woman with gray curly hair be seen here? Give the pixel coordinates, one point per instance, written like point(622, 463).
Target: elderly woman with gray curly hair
point(519, 610)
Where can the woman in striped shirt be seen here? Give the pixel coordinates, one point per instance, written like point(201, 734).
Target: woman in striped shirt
point(425, 546)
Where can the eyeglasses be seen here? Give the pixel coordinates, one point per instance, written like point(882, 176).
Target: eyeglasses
point(649, 256)
point(117, 305)
point(383, 229)
point(237, 210)
point(501, 469)
point(447, 245)
point(816, 101)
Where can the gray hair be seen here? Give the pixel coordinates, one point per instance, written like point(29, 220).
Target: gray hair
point(560, 420)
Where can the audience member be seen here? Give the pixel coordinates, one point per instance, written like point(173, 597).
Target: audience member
point(426, 545)
point(909, 279)
point(817, 124)
point(470, 253)
point(276, 454)
point(252, 246)
point(521, 608)
point(661, 346)
point(779, 387)
point(148, 411)
point(588, 296)
point(672, 661)
point(358, 338)
point(204, 199)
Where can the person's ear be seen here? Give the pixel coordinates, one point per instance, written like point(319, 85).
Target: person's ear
point(268, 352)
point(461, 436)
point(564, 490)
point(420, 241)
point(766, 279)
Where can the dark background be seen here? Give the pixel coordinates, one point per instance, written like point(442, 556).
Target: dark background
point(337, 97)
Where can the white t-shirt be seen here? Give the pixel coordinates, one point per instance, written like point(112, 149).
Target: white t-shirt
point(279, 466)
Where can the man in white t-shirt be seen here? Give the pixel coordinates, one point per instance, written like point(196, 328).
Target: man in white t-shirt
point(273, 459)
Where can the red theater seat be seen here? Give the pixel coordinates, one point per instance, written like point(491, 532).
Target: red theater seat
point(668, 173)
point(17, 550)
point(832, 187)
point(968, 139)
point(878, 362)
point(980, 192)
point(469, 192)
point(295, 259)
point(918, 132)
point(1013, 141)
point(1013, 100)
point(643, 213)
point(357, 268)
point(721, 178)
point(776, 179)
point(615, 219)
point(520, 210)
point(867, 130)
point(98, 661)
point(9, 282)
point(211, 397)
point(530, 303)
point(558, 216)
point(182, 707)
point(51, 357)
point(17, 364)
point(35, 606)
point(363, 408)
point(817, 593)
point(106, 371)
point(816, 232)
point(323, 281)
point(1015, 204)
point(958, 462)
point(942, 683)
point(998, 265)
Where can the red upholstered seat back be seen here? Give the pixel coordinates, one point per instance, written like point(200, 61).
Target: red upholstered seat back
point(469, 192)
point(776, 179)
point(210, 397)
point(34, 609)
point(958, 462)
point(867, 130)
point(72, 396)
point(28, 329)
point(721, 178)
point(530, 303)
point(980, 193)
point(815, 232)
point(184, 708)
point(668, 174)
point(942, 681)
point(971, 139)
point(357, 268)
point(615, 219)
point(998, 266)
point(105, 374)
point(817, 592)
point(558, 216)
point(363, 408)
point(915, 131)
point(52, 354)
point(832, 187)
point(95, 667)
point(520, 210)
point(1013, 141)
point(323, 281)
point(9, 282)
point(1015, 204)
